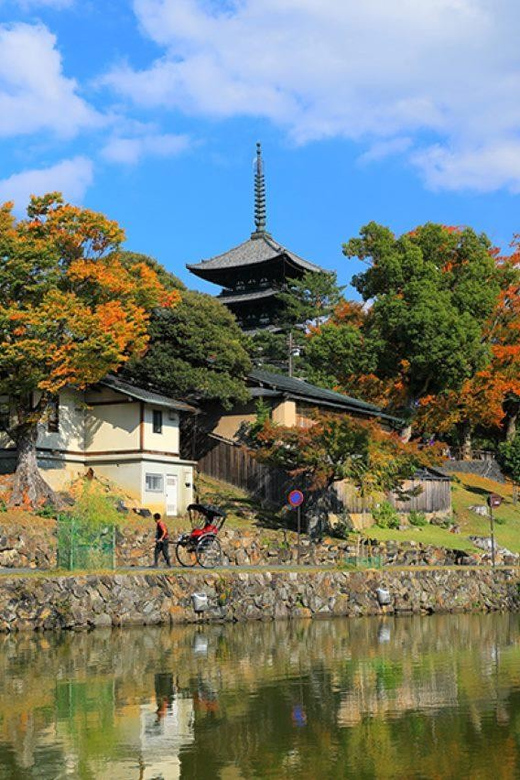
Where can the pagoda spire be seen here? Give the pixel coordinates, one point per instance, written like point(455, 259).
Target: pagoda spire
point(260, 211)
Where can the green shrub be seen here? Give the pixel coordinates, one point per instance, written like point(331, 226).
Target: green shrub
point(95, 508)
point(385, 515)
point(417, 518)
point(47, 510)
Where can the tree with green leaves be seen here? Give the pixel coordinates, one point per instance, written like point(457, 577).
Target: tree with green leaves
point(196, 350)
point(311, 299)
point(431, 291)
point(336, 353)
point(307, 303)
point(508, 457)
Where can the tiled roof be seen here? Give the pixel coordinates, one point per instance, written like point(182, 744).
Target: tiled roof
point(250, 252)
point(298, 388)
point(247, 296)
point(147, 396)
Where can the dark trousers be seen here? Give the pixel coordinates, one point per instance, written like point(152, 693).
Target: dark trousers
point(161, 547)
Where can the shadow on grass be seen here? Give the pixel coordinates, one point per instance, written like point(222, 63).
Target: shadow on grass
point(479, 491)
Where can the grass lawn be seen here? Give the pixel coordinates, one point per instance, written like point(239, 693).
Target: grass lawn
point(243, 512)
point(428, 534)
point(471, 491)
point(467, 490)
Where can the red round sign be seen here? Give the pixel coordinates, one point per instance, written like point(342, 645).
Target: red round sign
point(296, 498)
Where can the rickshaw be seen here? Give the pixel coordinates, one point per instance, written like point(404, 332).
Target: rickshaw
point(201, 545)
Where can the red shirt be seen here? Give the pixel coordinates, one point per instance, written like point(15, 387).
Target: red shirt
point(161, 532)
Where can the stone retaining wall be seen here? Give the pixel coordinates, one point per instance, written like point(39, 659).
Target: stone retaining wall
point(481, 468)
point(265, 547)
point(43, 602)
point(26, 545)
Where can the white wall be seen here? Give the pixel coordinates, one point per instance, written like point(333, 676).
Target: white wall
point(168, 440)
point(114, 426)
point(71, 434)
point(126, 475)
point(71, 429)
point(130, 475)
point(183, 472)
point(105, 422)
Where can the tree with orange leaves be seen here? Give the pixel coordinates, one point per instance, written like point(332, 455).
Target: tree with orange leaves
point(336, 447)
point(70, 312)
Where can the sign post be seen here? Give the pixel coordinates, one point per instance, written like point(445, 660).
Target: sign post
point(494, 500)
point(296, 499)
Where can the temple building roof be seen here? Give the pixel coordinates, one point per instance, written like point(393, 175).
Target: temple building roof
point(260, 249)
point(243, 297)
point(301, 390)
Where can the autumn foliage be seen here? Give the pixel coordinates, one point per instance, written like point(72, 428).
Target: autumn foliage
point(70, 312)
point(438, 339)
point(336, 447)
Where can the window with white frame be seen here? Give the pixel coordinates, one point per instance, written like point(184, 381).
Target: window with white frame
point(154, 483)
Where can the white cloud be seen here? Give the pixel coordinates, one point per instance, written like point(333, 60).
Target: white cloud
point(381, 149)
point(482, 169)
point(71, 177)
point(132, 150)
point(369, 71)
point(35, 95)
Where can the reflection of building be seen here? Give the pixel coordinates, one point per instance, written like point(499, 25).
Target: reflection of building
point(253, 273)
point(163, 736)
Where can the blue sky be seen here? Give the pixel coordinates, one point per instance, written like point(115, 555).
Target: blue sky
point(149, 111)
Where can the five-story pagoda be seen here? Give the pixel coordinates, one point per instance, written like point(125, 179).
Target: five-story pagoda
point(256, 271)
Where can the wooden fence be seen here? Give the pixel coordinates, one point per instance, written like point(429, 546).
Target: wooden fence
point(229, 462)
point(232, 463)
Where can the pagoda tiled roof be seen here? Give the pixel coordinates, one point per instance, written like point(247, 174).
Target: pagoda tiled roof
point(259, 249)
point(243, 297)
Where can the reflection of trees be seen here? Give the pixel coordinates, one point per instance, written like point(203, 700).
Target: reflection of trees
point(353, 698)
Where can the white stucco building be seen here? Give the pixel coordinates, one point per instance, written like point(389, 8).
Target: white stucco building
point(126, 434)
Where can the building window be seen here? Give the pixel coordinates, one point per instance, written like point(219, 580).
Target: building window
point(157, 421)
point(154, 483)
point(53, 420)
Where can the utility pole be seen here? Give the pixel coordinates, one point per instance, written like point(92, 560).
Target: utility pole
point(493, 501)
point(290, 361)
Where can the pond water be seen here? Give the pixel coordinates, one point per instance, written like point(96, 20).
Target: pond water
point(424, 697)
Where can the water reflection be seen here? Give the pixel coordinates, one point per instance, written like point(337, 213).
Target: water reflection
point(431, 697)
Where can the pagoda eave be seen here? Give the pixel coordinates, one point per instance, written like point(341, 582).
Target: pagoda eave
point(247, 297)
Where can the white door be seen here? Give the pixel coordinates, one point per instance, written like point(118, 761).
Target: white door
point(171, 494)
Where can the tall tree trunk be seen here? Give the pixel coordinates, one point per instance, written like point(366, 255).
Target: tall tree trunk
point(511, 421)
point(406, 433)
point(466, 432)
point(29, 487)
point(407, 430)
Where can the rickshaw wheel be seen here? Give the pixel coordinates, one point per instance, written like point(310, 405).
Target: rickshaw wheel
point(185, 553)
point(209, 552)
